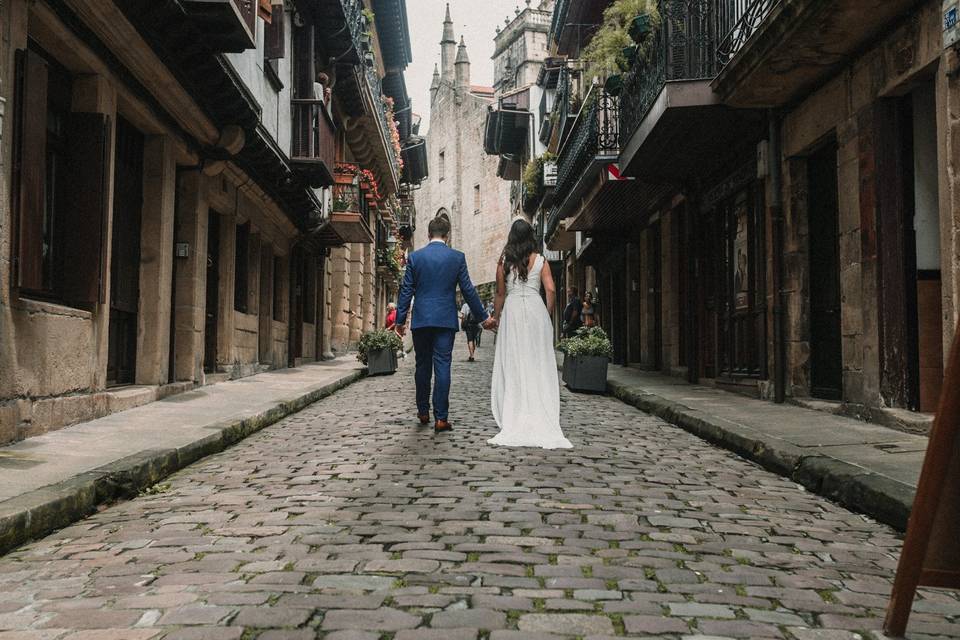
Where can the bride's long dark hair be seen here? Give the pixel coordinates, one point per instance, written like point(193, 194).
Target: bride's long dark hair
point(521, 243)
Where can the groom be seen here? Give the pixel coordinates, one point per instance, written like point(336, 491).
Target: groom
point(431, 280)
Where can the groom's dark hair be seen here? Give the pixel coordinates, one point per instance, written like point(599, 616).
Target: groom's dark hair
point(439, 228)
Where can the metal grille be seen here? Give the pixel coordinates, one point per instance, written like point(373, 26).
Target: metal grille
point(683, 48)
point(595, 133)
point(746, 18)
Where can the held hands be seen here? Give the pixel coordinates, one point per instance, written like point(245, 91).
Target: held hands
point(490, 324)
point(401, 329)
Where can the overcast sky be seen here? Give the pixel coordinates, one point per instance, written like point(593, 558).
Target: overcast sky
point(475, 20)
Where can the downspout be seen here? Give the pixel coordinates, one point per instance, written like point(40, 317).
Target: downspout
point(776, 215)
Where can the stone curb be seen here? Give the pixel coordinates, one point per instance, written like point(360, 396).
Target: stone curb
point(853, 487)
point(37, 513)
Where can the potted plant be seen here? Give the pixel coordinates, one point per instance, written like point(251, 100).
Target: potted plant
point(586, 358)
point(378, 350)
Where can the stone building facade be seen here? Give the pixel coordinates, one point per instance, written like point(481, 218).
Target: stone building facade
point(463, 182)
point(169, 194)
point(789, 227)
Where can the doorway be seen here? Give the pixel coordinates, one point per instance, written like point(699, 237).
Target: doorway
point(125, 255)
point(654, 300)
point(826, 350)
point(211, 317)
point(265, 346)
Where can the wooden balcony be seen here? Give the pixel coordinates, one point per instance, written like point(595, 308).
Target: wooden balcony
point(349, 218)
point(227, 25)
point(314, 142)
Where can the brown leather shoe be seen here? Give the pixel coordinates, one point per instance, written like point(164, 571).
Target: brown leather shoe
point(423, 419)
point(442, 426)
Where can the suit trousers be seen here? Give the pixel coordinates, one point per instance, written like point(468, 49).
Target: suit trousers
point(434, 348)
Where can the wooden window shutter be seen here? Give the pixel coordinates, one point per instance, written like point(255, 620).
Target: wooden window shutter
point(30, 168)
point(274, 36)
point(84, 227)
point(265, 10)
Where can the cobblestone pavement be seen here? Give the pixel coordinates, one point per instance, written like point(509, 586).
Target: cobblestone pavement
point(349, 522)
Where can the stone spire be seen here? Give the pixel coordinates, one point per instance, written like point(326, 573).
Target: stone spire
point(463, 66)
point(435, 84)
point(448, 46)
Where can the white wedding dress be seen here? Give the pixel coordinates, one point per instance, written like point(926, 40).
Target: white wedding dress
point(525, 389)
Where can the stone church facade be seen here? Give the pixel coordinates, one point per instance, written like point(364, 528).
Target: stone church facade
point(463, 182)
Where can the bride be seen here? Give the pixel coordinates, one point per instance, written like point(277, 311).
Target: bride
point(525, 390)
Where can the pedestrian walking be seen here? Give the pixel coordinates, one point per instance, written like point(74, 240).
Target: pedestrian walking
point(571, 313)
point(471, 326)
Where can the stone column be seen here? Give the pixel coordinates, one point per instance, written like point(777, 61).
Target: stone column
point(191, 301)
point(156, 260)
point(225, 318)
point(326, 316)
point(356, 292)
point(369, 288)
point(339, 299)
point(948, 127)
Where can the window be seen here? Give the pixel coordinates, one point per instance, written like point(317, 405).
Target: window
point(274, 46)
point(60, 180)
point(443, 165)
point(277, 289)
point(476, 198)
point(241, 289)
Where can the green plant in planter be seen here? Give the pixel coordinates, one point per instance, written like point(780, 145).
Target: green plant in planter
point(588, 341)
point(377, 341)
point(533, 179)
point(607, 52)
point(369, 16)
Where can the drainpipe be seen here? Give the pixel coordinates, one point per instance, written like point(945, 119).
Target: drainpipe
point(776, 214)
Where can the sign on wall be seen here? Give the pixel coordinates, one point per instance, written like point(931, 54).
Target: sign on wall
point(951, 18)
point(549, 174)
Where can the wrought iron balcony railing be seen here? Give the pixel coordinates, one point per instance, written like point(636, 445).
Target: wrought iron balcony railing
point(559, 19)
point(683, 47)
point(380, 109)
point(746, 18)
point(596, 132)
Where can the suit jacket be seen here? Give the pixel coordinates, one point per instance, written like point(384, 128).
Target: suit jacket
point(430, 282)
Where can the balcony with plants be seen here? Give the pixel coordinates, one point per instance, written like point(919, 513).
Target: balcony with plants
point(774, 51)
point(354, 190)
point(670, 116)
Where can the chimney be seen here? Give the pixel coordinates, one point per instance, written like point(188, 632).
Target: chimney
point(448, 47)
point(462, 66)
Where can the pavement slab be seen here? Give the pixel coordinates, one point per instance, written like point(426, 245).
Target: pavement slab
point(348, 521)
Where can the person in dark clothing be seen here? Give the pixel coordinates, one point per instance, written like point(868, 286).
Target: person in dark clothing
point(571, 313)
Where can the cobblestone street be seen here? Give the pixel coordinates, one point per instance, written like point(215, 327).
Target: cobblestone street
point(348, 521)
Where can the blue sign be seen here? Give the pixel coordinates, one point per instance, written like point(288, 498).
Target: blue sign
point(950, 18)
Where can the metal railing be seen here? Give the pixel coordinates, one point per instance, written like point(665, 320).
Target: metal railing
point(314, 138)
point(746, 18)
point(559, 19)
point(683, 47)
point(596, 132)
point(376, 90)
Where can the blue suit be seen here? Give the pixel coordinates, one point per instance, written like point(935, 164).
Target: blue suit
point(430, 282)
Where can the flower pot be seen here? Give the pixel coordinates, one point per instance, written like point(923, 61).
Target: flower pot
point(613, 85)
point(381, 362)
point(587, 373)
point(630, 55)
point(640, 28)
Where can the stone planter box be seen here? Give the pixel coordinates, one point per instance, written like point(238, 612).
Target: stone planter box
point(586, 373)
point(382, 362)
point(565, 370)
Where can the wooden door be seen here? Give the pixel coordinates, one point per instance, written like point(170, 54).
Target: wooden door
point(709, 295)
point(265, 351)
point(654, 297)
point(125, 255)
point(212, 314)
point(826, 352)
point(296, 306)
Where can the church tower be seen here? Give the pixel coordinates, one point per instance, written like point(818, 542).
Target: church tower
point(462, 67)
point(448, 48)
